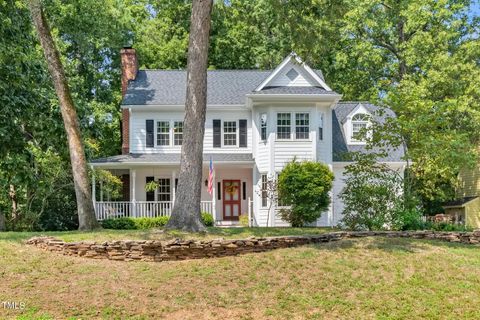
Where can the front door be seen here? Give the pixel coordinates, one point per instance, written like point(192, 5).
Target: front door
point(231, 199)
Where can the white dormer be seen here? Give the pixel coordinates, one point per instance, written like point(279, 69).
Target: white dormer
point(293, 72)
point(354, 123)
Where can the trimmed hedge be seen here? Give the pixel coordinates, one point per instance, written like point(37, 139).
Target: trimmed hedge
point(146, 223)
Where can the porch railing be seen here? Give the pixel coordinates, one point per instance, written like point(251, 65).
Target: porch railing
point(140, 209)
point(108, 209)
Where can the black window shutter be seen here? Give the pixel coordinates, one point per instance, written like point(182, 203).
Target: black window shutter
point(219, 191)
point(217, 135)
point(149, 129)
point(150, 194)
point(243, 133)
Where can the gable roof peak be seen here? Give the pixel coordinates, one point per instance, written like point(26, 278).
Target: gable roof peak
point(293, 57)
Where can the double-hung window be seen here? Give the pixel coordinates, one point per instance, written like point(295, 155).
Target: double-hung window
point(177, 133)
point(283, 125)
point(230, 133)
point(302, 125)
point(359, 125)
point(163, 133)
point(164, 189)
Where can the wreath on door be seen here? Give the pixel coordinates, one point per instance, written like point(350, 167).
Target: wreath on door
point(231, 189)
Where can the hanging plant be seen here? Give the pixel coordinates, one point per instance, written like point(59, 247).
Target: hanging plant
point(151, 186)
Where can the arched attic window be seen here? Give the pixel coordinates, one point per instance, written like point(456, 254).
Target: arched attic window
point(360, 121)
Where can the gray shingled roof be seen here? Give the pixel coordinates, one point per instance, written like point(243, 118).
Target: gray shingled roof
point(168, 87)
point(172, 158)
point(293, 90)
point(340, 146)
point(224, 87)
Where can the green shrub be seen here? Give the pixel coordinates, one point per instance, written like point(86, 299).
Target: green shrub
point(119, 224)
point(207, 219)
point(409, 220)
point(243, 220)
point(445, 226)
point(372, 195)
point(147, 223)
point(150, 223)
point(304, 187)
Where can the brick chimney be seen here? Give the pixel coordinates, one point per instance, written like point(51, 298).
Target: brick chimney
point(129, 61)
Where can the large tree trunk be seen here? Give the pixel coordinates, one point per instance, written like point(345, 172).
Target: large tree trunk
point(86, 214)
point(12, 194)
point(2, 222)
point(186, 210)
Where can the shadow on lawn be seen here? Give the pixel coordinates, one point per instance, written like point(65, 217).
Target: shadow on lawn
point(391, 245)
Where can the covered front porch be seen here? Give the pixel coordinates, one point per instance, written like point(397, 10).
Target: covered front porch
point(231, 196)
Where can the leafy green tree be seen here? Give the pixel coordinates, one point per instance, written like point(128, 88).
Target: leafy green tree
point(372, 195)
point(304, 187)
point(421, 59)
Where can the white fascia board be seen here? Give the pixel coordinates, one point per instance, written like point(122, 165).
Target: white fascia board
point(181, 107)
point(274, 73)
point(302, 64)
point(127, 165)
point(316, 77)
point(314, 97)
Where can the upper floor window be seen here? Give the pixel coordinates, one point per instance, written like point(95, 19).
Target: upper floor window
point(283, 125)
point(177, 133)
point(163, 133)
point(302, 125)
point(263, 126)
point(230, 133)
point(359, 124)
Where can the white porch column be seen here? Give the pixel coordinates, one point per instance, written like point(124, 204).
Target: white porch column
point(101, 190)
point(134, 204)
point(174, 187)
point(331, 213)
point(93, 188)
point(214, 202)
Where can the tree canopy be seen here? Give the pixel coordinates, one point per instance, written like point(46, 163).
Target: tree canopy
point(420, 57)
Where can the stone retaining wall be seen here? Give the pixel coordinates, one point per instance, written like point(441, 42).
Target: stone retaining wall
point(155, 250)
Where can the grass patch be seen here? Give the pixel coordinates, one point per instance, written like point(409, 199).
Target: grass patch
point(367, 278)
point(159, 234)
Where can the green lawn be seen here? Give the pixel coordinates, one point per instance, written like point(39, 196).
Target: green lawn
point(212, 232)
point(369, 278)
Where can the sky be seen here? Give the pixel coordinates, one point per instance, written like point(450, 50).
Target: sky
point(475, 9)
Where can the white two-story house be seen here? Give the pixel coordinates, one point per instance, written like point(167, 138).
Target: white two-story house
point(256, 122)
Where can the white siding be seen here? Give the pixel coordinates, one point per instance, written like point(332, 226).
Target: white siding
point(138, 132)
point(286, 151)
point(302, 80)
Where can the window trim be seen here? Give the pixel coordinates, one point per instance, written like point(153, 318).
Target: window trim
point(176, 133)
point(293, 125)
point(263, 188)
point(263, 126)
point(367, 124)
point(157, 133)
point(171, 133)
point(283, 126)
point(157, 192)
point(237, 133)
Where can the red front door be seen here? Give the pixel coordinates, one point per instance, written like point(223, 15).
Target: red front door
point(232, 206)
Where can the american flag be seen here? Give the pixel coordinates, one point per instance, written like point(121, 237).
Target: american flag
point(211, 175)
